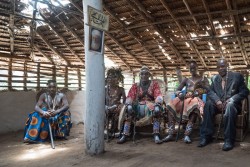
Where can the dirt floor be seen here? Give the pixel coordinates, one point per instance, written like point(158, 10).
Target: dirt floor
point(71, 152)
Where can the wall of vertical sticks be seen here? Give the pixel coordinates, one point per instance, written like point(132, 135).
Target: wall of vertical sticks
point(23, 75)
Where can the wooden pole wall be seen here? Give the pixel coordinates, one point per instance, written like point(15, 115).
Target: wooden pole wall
point(38, 76)
point(79, 79)
point(66, 81)
point(25, 76)
point(10, 75)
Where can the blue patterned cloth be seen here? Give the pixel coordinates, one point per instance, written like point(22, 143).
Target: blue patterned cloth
point(37, 127)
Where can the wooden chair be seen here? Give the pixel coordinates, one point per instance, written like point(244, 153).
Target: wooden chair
point(241, 122)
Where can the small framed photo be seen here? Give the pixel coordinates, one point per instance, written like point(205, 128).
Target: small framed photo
point(96, 40)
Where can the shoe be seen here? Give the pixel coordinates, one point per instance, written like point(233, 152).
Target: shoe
point(204, 142)
point(168, 138)
point(157, 139)
point(122, 140)
point(227, 146)
point(187, 140)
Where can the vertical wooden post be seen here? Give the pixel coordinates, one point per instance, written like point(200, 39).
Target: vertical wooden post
point(25, 75)
point(79, 79)
point(165, 78)
point(10, 75)
point(54, 73)
point(38, 77)
point(95, 92)
point(133, 77)
point(66, 78)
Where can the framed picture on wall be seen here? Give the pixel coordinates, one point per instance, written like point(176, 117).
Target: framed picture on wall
point(96, 40)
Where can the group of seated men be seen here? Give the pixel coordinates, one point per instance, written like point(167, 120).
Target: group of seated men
point(144, 104)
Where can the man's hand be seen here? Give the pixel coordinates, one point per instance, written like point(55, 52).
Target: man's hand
point(46, 114)
point(189, 95)
point(219, 105)
point(129, 109)
point(157, 110)
point(53, 113)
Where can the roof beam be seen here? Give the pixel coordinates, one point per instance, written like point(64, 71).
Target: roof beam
point(6, 55)
point(62, 39)
point(111, 50)
point(224, 12)
point(190, 11)
point(132, 34)
point(75, 5)
point(51, 47)
point(193, 45)
point(149, 20)
point(11, 27)
point(70, 29)
point(237, 30)
point(210, 19)
point(123, 48)
point(79, 39)
point(40, 50)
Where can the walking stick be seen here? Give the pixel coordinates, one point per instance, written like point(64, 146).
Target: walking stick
point(50, 130)
point(182, 108)
point(223, 109)
point(51, 137)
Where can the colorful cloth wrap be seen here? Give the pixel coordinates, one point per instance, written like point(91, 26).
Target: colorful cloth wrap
point(194, 104)
point(37, 127)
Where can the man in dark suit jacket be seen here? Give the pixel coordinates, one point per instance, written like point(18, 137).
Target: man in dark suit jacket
point(226, 92)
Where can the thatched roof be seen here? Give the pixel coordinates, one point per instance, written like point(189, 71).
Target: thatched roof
point(162, 34)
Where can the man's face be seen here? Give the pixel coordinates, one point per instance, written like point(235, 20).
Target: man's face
point(222, 68)
point(144, 75)
point(52, 87)
point(96, 40)
point(193, 68)
point(112, 80)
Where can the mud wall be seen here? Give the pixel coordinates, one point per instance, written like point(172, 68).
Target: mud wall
point(16, 106)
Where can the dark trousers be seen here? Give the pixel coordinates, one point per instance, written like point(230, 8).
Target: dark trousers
point(229, 121)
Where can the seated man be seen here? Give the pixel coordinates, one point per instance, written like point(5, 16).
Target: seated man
point(144, 100)
point(52, 107)
point(193, 105)
point(226, 92)
point(113, 95)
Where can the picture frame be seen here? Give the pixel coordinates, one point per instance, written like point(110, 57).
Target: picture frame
point(96, 40)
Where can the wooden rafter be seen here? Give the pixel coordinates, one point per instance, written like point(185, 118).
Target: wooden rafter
point(111, 50)
point(79, 39)
point(75, 5)
point(40, 50)
point(62, 39)
point(210, 19)
point(11, 27)
point(193, 45)
point(51, 47)
point(190, 11)
point(123, 48)
point(237, 30)
point(149, 20)
point(224, 12)
point(80, 21)
point(70, 29)
point(134, 36)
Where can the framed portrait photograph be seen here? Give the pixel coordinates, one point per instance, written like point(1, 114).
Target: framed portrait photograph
point(96, 40)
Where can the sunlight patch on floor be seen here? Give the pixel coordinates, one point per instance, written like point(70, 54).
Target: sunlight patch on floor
point(39, 152)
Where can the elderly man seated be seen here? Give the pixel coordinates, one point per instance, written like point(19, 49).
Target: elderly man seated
point(52, 107)
point(143, 102)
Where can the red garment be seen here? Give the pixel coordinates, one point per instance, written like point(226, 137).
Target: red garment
point(153, 90)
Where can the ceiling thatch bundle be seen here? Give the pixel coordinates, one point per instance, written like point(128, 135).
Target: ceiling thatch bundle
point(162, 34)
